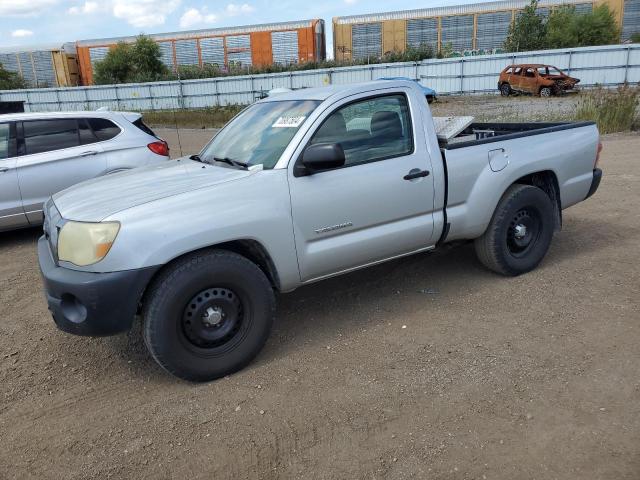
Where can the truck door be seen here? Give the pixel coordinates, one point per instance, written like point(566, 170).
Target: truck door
point(11, 212)
point(380, 204)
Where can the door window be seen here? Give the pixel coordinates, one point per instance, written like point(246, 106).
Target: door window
point(370, 130)
point(530, 73)
point(7, 141)
point(104, 129)
point(48, 135)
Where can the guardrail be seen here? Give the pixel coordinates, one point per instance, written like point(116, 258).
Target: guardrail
point(607, 65)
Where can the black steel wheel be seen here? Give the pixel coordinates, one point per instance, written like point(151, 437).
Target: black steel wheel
point(519, 233)
point(505, 90)
point(208, 315)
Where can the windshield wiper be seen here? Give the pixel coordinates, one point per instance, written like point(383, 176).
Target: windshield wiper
point(196, 158)
point(233, 163)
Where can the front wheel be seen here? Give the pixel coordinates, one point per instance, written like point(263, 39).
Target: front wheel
point(520, 231)
point(208, 315)
point(505, 90)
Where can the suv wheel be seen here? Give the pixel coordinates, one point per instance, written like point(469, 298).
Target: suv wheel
point(208, 315)
point(505, 90)
point(545, 92)
point(520, 231)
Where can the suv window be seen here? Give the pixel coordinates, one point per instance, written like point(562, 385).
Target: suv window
point(47, 135)
point(104, 129)
point(370, 130)
point(142, 126)
point(7, 141)
point(517, 71)
point(509, 70)
point(530, 73)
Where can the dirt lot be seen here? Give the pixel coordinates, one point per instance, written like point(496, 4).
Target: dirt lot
point(427, 367)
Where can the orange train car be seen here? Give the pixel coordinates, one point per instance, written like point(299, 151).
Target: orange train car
point(246, 46)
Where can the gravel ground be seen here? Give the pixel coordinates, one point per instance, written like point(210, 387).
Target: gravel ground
point(426, 367)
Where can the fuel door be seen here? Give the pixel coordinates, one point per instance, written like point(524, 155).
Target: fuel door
point(498, 159)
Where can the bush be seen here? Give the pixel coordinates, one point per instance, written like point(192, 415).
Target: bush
point(130, 63)
point(565, 28)
point(10, 80)
point(612, 110)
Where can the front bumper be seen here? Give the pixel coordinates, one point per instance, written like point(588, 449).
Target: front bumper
point(595, 183)
point(91, 304)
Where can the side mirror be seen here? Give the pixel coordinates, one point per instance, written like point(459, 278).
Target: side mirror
point(322, 156)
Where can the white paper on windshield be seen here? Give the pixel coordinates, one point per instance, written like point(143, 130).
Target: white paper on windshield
point(289, 122)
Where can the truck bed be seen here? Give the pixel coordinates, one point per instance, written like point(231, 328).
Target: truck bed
point(480, 133)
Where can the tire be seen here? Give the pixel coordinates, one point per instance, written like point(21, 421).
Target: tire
point(505, 90)
point(208, 315)
point(506, 247)
point(545, 92)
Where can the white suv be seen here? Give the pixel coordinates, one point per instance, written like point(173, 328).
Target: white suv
point(44, 153)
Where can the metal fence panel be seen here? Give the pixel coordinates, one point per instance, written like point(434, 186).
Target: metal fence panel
point(212, 50)
point(367, 40)
point(239, 49)
point(422, 31)
point(493, 29)
point(608, 65)
point(457, 30)
point(631, 19)
point(284, 46)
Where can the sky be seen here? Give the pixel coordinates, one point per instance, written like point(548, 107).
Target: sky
point(44, 22)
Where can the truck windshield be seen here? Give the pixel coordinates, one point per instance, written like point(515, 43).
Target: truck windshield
point(260, 134)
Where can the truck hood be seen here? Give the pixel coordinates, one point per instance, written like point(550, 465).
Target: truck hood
point(97, 199)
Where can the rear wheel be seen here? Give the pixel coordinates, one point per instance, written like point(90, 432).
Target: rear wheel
point(520, 232)
point(505, 90)
point(208, 315)
point(545, 92)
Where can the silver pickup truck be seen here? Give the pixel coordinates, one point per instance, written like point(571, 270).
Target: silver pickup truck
point(295, 189)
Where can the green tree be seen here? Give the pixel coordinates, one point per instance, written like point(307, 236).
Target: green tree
point(127, 63)
point(528, 32)
point(567, 28)
point(10, 80)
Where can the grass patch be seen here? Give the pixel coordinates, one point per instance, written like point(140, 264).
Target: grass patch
point(210, 117)
point(613, 110)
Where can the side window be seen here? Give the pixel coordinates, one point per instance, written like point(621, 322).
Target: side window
point(530, 73)
point(509, 71)
point(517, 71)
point(86, 134)
point(543, 71)
point(369, 130)
point(48, 135)
point(7, 141)
point(104, 129)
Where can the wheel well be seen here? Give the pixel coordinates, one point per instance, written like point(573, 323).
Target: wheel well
point(249, 249)
point(547, 182)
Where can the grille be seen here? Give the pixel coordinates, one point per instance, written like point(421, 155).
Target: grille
point(423, 31)
point(284, 46)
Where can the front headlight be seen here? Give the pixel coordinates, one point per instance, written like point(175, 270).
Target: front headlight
point(86, 243)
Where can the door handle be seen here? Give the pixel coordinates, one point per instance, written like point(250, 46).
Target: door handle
point(416, 173)
point(88, 154)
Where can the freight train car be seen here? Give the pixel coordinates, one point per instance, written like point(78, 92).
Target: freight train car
point(254, 45)
point(43, 66)
point(480, 26)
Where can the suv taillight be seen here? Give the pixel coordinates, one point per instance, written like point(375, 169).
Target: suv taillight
point(159, 148)
point(600, 147)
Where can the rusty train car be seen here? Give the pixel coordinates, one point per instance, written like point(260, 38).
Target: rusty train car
point(246, 46)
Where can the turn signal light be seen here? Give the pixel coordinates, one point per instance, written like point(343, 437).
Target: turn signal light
point(159, 148)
